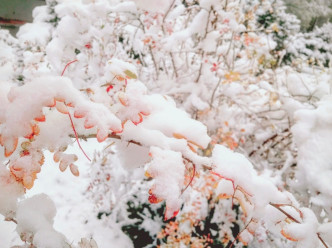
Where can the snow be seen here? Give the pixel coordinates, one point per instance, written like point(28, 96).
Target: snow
point(167, 169)
point(37, 38)
point(312, 134)
point(305, 232)
point(170, 81)
point(10, 190)
point(154, 6)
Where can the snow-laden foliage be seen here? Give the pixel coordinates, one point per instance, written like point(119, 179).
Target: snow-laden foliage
point(210, 138)
point(311, 13)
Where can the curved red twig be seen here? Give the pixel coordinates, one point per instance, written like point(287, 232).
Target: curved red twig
point(191, 179)
point(64, 69)
point(76, 136)
point(71, 119)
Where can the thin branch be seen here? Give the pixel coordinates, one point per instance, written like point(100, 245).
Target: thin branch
point(203, 53)
point(112, 136)
point(278, 207)
point(76, 136)
point(321, 240)
point(71, 119)
point(173, 64)
point(11, 219)
point(238, 235)
point(214, 92)
point(64, 69)
point(191, 179)
point(118, 137)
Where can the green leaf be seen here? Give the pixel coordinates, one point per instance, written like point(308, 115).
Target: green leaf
point(130, 74)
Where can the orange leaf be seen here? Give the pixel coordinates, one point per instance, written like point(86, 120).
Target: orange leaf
point(88, 124)
point(51, 104)
point(139, 120)
point(74, 170)
point(61, 107)
point(63, 166)
point(57, 156)
point(101, 135)
point(146, 113)
point(28, 182)
point(224, 196)
point(287, 236)
point(59, 99)
point(179, 136)
point(10, 146)
point(174, 214)
point(123, 99)
point(154, 199)
point(34, 131)
point(24, 153)
point(192, 148)
point(120, 78)
point(70, 105)
point(79, 114)
point(116, 131)
point(147, 174)
point(242, 241)
point(40, 118)
point(41, 160)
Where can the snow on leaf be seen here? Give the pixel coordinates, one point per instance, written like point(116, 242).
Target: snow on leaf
point(10, 145)
point(102, 135)
point(61, 107)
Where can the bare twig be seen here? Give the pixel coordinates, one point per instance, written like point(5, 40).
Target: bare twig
point(118, 137)
point(11, 219)
point(214, 92)
point(238, 235)
point(203, 53)
point(278, 207)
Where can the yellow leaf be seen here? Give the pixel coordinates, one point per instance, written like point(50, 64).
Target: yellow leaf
point(275, 27)
point(232, 76)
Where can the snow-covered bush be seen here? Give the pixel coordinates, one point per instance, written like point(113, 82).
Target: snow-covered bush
point(167, 86)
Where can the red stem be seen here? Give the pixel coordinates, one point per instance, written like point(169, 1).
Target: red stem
point(191, 179)
point(76, 136)
point(228, 179)
point(64, 69)
point(71, 119)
